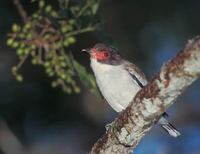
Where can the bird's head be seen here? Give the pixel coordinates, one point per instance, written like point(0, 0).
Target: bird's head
point(104, 54)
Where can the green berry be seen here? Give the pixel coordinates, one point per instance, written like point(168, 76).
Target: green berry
point(63, 75)
point(54, 84)
point(61, 58)
point(29, 35)
point(20, 51)
point(49, 70)
point(22, 45)
point(27, 26)
point(71, 22)
point(51, 74)
point(47, 64)
point(48, 8)
point(67, 89)
point(70, 71)
point(66, 42)
point(14, 69)
point(9, 41)
point(15, 44)
point(54, 14)
point(64, 29)
point(33, 47)
point(15, 28)
point(58, 44)
point(47, 36)
point(41, 3)
point(69, 27)
point(63, 64)
point(35, 61)
point(71, 40)
point(68, 79)
point(77, 89)
point(21, 36)
point(35, 15)
point(19, 78)
point(27, 51)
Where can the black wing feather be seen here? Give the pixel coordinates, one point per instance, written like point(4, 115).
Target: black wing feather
point(136, 79)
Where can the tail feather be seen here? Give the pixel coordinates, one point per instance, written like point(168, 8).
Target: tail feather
point(171, 130)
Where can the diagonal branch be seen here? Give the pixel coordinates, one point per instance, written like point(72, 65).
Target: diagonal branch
point(150, 102)
point(21, 10)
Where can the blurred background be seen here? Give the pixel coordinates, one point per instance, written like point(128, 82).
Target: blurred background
point(38, 119)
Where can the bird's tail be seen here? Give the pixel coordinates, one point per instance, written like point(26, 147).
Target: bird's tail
point(171, 130)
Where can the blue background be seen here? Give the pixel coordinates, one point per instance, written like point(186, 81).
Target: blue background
point(35, 118)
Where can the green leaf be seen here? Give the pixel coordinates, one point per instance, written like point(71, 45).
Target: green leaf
point(86, 78)
point(95, 7)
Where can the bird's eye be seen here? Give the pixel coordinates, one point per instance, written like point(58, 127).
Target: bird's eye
point(105, 54)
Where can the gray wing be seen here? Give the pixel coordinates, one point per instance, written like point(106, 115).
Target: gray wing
point(141, 80)
point(136, 73)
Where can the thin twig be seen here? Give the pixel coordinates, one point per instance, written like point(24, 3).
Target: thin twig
point(83, 9)
point(79, 31)
point(21, 10)
point(22, 61)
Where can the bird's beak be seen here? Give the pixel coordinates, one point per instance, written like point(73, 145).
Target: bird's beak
point(86, 50)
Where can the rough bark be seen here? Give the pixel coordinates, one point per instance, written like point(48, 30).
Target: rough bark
point(149, 104)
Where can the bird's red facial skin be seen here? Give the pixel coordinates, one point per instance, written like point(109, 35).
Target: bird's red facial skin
point(99, 55)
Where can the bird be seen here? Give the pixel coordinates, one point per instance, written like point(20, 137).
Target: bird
point(119, 80)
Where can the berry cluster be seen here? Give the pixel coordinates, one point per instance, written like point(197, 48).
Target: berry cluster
point(44, 39)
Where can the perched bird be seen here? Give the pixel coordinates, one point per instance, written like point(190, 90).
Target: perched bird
point(119, 80)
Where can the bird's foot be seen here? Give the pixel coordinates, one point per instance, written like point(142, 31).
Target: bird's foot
point(109, 125)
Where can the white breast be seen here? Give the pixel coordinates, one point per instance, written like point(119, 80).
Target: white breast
point(115, 83)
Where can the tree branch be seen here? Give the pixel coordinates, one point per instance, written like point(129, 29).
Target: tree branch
point(21, 10)
point(149, 104)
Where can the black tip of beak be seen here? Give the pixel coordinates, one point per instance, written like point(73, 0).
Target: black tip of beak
point(85, 50)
